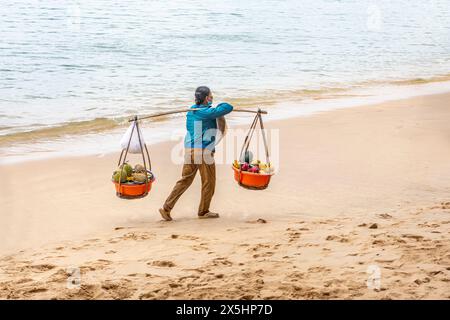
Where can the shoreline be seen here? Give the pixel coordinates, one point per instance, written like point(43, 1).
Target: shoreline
point(161, 130)
point(356, 187)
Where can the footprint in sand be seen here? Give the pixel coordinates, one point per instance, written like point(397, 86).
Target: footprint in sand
point(260, 250)
point(442, 205)
point(24, 280)
point(259, 246)
point(293, 234)
point(136, 236)
point(260, 220)
point(147, 296)
point(413, 236)
point(162, 263)
point(40, 267)
point(221, 261)
point(35, 290)
point(435, 273)
point(184, 237)
point(263, 254)
point(200, 247)
point(428, 225)
point(296, 275)
point(342, 238)
point(79, 247)
point(118, 289)
point(192, 276)
point(421, 281)
point(362, 225)
point(59, 276)
point(370, 225)
point(99, 264)
point(445, 205)
point(387, 260)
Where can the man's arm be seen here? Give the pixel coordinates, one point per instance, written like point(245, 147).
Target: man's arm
point(214, 113)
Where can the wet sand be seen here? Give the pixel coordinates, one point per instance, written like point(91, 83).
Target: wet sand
point(360, 192)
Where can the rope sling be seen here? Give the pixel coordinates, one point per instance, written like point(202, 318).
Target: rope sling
point(121, 162)
point(244, 150)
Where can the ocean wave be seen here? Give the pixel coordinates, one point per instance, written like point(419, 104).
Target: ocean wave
point(263, 99)
point(68, 128)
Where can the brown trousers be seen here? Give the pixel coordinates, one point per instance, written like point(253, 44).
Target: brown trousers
point(203, 161)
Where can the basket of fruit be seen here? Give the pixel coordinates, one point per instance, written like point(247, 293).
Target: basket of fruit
point(131, 182)
point(253, 174)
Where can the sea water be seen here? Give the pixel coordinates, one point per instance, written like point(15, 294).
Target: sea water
point(73, 72)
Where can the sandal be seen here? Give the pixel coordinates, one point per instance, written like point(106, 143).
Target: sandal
point(209, 215)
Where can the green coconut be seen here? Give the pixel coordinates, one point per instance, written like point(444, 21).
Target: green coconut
point(128, 169)
point(117, 176)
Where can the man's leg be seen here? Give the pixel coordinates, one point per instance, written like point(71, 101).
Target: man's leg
point(187, 176)
point(208, 175)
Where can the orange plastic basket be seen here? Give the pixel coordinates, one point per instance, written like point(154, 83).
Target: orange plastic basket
point(250, 180)
point(132, 191)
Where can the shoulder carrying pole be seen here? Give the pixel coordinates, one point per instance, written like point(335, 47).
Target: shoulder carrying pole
point(187, 110)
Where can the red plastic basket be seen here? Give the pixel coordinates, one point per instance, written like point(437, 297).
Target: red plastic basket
point(250, 180)
point(132, 191)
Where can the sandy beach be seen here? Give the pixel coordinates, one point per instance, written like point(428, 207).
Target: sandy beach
point(358, 189)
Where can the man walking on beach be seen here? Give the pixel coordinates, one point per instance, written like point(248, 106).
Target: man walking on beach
point(199, 146)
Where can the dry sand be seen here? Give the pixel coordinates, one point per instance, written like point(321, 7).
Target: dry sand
point(360, 189)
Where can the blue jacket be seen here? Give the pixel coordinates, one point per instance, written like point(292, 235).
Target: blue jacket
point(201, 125)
